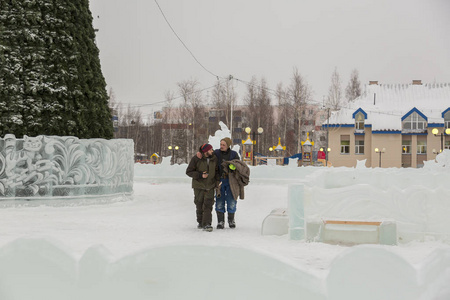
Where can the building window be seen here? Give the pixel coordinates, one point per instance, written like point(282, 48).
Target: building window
point(359, 121)
point(345, 144)
point(359, 147)
point(406, 147)
point(447, 145)
point(414, 122)
point(359, 144)
point(421, 147)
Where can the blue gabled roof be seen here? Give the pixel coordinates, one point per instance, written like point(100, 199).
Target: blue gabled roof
point(445, 111)
point(394, 102)
point(359, 110)
point(417, 111)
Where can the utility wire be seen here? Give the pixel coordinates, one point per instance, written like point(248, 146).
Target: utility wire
point(174, 32)
point(270, 91)
point(275, 93)
point(175, 98)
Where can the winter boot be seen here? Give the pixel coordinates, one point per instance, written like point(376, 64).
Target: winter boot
point(231, 222)
point(220, 220)
point(199, 226)
point(208, 228)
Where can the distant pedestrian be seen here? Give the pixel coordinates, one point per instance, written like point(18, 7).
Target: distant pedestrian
point(204, 172)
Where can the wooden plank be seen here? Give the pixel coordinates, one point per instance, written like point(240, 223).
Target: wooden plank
point(352, 222)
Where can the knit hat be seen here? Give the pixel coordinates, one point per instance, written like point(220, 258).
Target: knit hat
point(206, 147)
point(227, 140)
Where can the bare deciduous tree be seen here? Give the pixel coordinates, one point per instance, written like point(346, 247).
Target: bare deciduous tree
point(353, 89)
point(299, 94)
point(224, 99)
point(284, 113)
point(193, 115)
point(266, 119)
point(334, 100)
point(259, 113)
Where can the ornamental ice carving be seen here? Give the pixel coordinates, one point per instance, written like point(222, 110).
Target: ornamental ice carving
point(64, 166)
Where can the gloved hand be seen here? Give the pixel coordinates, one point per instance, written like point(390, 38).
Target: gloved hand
point(232, 167)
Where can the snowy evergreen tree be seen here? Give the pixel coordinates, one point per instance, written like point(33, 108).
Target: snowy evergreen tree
point(51, 81)
point(353, 89)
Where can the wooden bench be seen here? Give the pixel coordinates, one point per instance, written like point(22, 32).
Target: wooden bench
point(352, 232)
point(371, 223)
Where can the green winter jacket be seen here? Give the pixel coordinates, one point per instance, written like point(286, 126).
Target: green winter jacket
point(196, 168)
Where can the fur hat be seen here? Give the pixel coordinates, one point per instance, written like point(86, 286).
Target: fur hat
point(227, 140)
point(206, 147)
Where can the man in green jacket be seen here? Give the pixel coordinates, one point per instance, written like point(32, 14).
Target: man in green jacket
point(205, 178)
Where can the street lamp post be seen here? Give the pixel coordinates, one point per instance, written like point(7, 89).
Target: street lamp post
point(173, 153)
point(380, 151)
point(328, 134)
point(259, 131)
point(435, 131)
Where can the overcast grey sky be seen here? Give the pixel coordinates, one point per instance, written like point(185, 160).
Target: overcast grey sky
point(392, 41)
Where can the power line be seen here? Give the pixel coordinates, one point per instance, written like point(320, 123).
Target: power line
point(174, 32)
point(175, 98)
point(275, 93)
point(270, 91)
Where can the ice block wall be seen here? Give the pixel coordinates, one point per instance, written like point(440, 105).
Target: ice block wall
point(41, 269)
point(416, 200)
point(53, 166)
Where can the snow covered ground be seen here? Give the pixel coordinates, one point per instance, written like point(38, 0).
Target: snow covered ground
point(148, 246)
point(161, 215)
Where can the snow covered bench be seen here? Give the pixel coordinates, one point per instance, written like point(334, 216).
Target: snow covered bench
point(352, 232)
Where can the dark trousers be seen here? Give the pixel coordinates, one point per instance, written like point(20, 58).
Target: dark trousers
point(204, 201)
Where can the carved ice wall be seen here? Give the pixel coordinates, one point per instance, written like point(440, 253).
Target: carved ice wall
point(416, 200)
point(53, 166)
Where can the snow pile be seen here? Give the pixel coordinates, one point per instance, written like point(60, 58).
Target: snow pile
point(39, 269)
point(442, 161)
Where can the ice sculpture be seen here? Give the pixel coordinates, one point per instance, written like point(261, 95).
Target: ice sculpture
point(54, 166)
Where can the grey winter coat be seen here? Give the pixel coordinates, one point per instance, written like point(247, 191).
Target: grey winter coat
point(196, 168)
point(237, 178)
